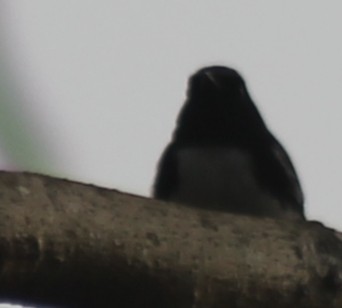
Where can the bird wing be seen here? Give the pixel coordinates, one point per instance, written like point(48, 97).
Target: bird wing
point(167, 174)
point(292, 182)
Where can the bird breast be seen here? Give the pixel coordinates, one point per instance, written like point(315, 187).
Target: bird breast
point(222, 178)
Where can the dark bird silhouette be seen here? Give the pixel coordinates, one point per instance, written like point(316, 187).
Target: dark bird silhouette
point(223, 157)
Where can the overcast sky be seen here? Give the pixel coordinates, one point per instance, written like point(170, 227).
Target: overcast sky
point(102, 82)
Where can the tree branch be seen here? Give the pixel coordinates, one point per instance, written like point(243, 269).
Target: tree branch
point(73, 245)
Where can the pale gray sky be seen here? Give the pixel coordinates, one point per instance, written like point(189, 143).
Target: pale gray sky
point(104, 81)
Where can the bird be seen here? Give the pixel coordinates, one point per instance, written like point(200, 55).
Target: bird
point(222, 156)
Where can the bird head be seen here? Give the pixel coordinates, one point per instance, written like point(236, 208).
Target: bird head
point(216, 83)
point(218, 107)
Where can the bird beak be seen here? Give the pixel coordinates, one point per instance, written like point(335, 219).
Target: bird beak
point(212, 78)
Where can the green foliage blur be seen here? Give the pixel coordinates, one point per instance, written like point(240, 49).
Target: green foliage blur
point(20, 145)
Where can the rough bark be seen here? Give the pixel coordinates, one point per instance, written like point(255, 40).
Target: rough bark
point(67, 244)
